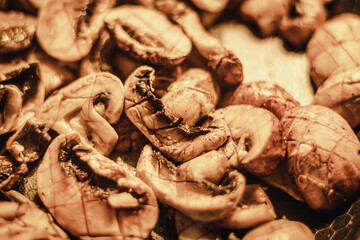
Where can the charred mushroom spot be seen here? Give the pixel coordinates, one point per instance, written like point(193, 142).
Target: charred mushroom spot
point(247, 143)
point(26, 79)
point(225, 186)
point(102, 98)
point(293, 12)
point(164, 162)
point(146, 40)
point(99, 186)
point(85, 13)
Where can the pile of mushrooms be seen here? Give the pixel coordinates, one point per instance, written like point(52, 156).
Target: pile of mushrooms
point(81, 80)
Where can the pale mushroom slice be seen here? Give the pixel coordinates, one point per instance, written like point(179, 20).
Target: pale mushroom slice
point(17, 31)
point(224, 62)
point(266, 95)
point(192, 96)
point(67, 29)
point(89, 105)
point(341, 92)
point(202, 188)
point(334, 47)
point(148, 35)
point(23, 219)
point(253, 208)
point(280, 229)
point(79, 186)
point(303, 17)
point(257, 135)
point(173, 137)
point(322, 156)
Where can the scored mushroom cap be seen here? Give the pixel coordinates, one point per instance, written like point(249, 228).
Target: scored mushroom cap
point(322, 156)
point(341, 93)
point(199, 198)
point(340, 34)
point(257, 135)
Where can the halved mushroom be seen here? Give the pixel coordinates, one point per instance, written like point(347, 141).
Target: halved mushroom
point(253, 208)
point(67, 29)
point(17, 31)
point(148, 35)
point(223, 61)
point(257, 135)
point(280, 229)
point(341, 93)
point(303, 17)
point(88, 106)
point(192, 96)
point(169, 134)
point(323, 156)
point(203, 188)
point(79, 186)
point(334, 47)
point(22, 219)
point(266, 95)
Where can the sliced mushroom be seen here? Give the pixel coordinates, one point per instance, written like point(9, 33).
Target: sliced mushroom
point(79, 186)
point(199, 189)
point(280, 229)
point(192, 96)
point(266, 95)
point(223, 61)
point(322, 156)
point(17, 31)
point(257, 135)
point(253, 208)
point(67, 29)
point(334, 47)
point(266, 14)
point(169, 134)
point(24, 220)
point(304, 16)
point(341, 92)
point(148, 35)
point(11, 172)
point(88, 106)
point(29, 143)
